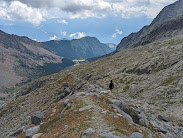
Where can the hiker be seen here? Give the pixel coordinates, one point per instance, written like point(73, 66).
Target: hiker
point(111, 86)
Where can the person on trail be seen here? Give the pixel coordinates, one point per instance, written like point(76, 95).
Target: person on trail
point(111, 86)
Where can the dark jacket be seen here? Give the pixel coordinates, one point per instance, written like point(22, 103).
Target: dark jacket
point(111, 85)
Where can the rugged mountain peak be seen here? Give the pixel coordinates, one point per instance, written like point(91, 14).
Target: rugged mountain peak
point(165, 21)
point(168, 13)
point(85, 47)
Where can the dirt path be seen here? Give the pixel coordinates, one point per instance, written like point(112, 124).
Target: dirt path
point(98, 122)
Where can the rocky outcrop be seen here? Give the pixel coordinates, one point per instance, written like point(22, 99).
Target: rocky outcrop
point(120, 105)
point(109, 136)
point(136, 135)
point(88, 133)
point(37, 118)
point(32, 131)
point(167, 24)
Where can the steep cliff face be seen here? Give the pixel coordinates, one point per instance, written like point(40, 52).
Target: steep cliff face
point(85, 47)
point(168, 13)
point(164, 22)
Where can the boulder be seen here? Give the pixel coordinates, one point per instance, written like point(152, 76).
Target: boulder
point(66, 102)
point(37, 135)
point(88, 132)
point(143, 119)
point(163, 118)
point(95, 95)
point(32, 131)
point(140, 109)
point(80, 94)
point(85, 108)
point(68, 106)
point(104, 92)
point(136, 135)
point(124, 115)
point(124, 107)
point(37, 118)
point(67, 91)
point(62, 113)
point(109, 136)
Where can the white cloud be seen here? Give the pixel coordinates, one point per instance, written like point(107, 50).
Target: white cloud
point(136, 8)
point(62, 22)
point(53, 38)
point(87, 8)
point(77, 35)
point(64, 33)
point(19, 11)
point(36, 11)
point(118, 32)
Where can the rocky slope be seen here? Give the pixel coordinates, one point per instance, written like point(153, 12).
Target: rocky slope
point(85, 47)
point(22, 59)
point(148, 85)
point(147, 99)
point(169, 20)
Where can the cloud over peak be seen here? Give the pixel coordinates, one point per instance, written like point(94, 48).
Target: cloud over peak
point(36, 11)
point(77, 35)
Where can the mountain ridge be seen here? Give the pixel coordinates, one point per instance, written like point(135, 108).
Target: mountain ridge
point(22, 60)
point(167, 14)
point(85, 47)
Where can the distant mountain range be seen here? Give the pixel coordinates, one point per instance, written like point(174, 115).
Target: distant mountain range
point(168, 23)
point(22, 59)
point(85, 47)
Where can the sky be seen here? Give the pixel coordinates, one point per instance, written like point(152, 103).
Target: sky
point(108, 20)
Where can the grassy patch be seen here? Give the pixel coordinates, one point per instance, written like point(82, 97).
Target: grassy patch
point(126, 88)
point(2, 113)
point(74, 119)
point(168, 81)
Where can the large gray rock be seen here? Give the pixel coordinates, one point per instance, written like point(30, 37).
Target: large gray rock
point(32, 131)
point(88, 132)
point(68, 106)
point(143, 119)
point(140, 109)
point(66, 102)
point(37, 118)
point(124, 115)
point(124, 107)
point(109, 136)
point(96, 95)
point(85, 108)
point(67, 91)
point(136, 135)
point(80, 94)
point(159, 127)
point(163, 118)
